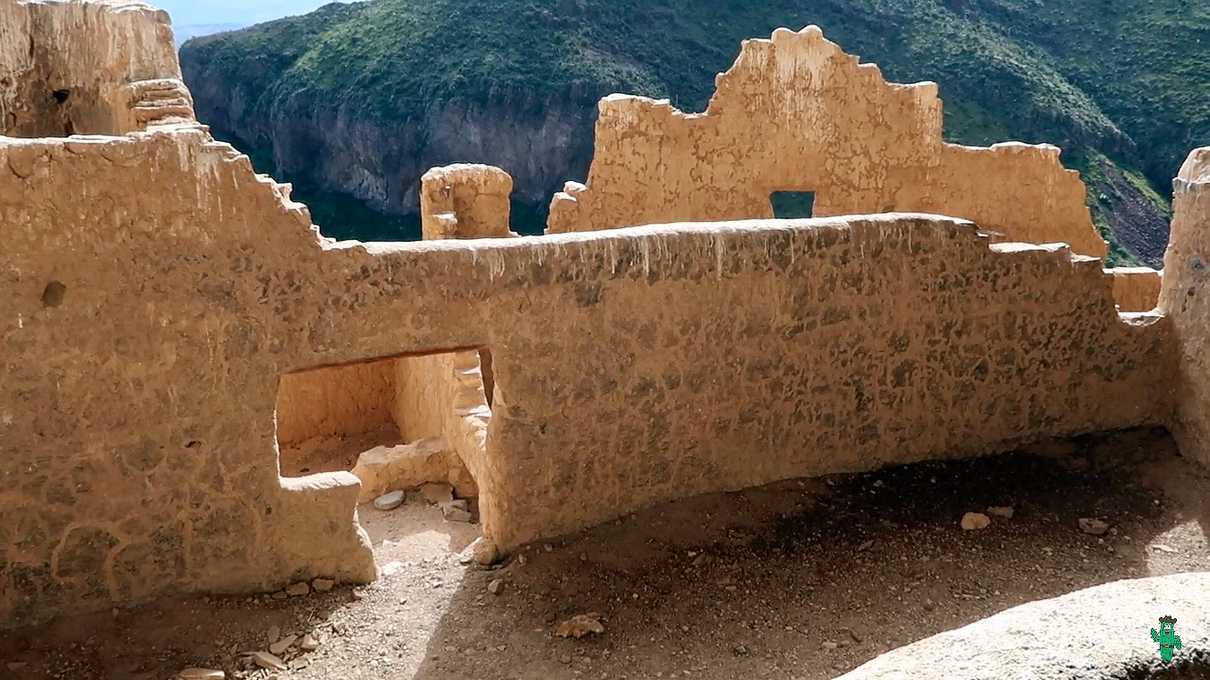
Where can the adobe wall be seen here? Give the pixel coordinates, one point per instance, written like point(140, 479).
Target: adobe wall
point(87, 68)
point(138, 458)
point(1186, 299)
point(795, 113)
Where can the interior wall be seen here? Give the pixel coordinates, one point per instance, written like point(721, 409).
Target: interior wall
point(337, 400)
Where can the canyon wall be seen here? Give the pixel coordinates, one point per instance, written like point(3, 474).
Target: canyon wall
point(139, 457)
point(795, 113)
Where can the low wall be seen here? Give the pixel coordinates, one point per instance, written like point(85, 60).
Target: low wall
point(137, 393)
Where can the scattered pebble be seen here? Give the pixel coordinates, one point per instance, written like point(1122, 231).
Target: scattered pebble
point(580, 626)
point(389, 501)
point(323, 585)
point(268, 661)
point(1093, 527)
point(308, 643)
point(495, 586)
point(282, 645)
point(1004, 511)
point(198, 674)
point(1164, 548)
point(974, 521)
point(829, 645)
point(298, 589)
point(456, 511)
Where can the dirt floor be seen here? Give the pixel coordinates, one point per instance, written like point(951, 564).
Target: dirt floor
point(800, 580)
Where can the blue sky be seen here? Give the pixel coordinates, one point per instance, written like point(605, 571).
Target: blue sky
point(189, 12)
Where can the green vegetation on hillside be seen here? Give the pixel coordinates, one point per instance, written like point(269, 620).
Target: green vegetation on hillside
point(1123, 81)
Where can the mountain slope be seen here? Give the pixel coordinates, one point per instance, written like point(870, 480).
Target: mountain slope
point(361, 99)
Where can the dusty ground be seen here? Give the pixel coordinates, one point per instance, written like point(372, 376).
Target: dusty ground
point(799, 580)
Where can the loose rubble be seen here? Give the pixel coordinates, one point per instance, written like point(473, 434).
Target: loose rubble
point(1093, 527)
point(389, 501)
point(974, 521)
point(580, 626)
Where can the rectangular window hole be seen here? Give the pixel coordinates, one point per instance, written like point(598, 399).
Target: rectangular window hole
point(788, 205)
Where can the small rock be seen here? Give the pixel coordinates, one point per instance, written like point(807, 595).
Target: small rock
point(580, 626)
point(565, 659)
point(865, 546)
point(456, 511)
point(852, 634)
point(437, 494)
point(1004, 511)
point(197, 674)
point(308, 643)
point(298, 589)
point(323, 585)
point(828, 644)
point(282, 645)
point(1160, 547)
point(740, 650)
point(482, 551)
point(268, 661)
point(1093, 527)
point(521, 560)
point(389, 501)
point(495, 586)
point(279, 595)
point(974, 521)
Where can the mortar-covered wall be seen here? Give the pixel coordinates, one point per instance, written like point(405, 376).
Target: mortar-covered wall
point(336, 400)
point(1186, 299)
point(153, 288)
point(87, 68)
point(796, 113)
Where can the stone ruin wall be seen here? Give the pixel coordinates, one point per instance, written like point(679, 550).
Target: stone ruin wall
point(140, 458)
point(87, 68)
point(1186, 299)
point(795, 113)
point(853, 343)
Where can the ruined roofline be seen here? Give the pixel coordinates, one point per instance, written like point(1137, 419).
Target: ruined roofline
point(796, 113)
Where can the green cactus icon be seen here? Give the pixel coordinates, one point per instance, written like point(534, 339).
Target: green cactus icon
point(1166, 638)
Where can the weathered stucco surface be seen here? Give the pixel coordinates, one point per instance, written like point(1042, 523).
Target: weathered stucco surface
point(87, 68)
point(1186, 299)
point(848, 344)
point(795, 113)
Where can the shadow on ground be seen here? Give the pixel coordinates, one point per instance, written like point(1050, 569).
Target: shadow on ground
point(804, 579)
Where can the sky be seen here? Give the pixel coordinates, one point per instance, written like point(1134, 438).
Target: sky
point(243, 12)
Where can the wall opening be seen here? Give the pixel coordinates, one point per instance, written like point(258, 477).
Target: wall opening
point(789, 205)
point(398, 423)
